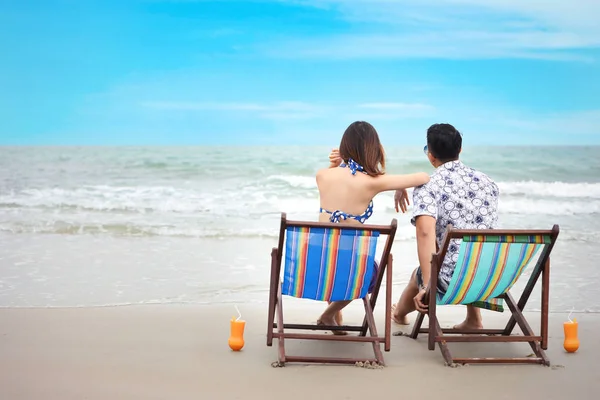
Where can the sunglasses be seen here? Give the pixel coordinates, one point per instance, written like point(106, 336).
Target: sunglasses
point(426, 149)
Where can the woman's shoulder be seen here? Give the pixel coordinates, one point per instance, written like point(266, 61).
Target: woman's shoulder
point(324, 174)
point(341, 176)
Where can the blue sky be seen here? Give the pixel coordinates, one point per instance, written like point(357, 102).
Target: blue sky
point(298, 72)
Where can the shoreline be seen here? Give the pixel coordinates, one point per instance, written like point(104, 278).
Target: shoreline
point(99, 272)
point(226, 304)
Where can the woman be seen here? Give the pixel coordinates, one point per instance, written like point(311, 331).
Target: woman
point(346, 189)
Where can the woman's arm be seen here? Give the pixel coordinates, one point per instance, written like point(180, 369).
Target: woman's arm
point(386, 182)
point(334, 158)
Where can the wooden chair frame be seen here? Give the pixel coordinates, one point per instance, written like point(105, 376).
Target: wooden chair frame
point(538, 343)
point(277, 329)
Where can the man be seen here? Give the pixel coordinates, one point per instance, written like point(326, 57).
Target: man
point(457, 195)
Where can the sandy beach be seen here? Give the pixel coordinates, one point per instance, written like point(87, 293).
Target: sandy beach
point(181, 352)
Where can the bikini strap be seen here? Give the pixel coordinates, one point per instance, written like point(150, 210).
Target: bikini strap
point(354, 166)
point(338, 215)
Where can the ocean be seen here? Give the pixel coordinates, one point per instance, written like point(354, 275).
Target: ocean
point(103, 226)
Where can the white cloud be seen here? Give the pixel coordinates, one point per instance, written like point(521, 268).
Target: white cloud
point(282, 110)
point(575, 123)
point(455, 29)
point(199, 106)
point(458, 45)
point(289, 110)
point(391, 111)
point(580, 14)
point(397, 106)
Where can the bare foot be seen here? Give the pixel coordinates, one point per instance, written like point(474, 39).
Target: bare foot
point(397, 319)
point(466, 324)
point(331, 322)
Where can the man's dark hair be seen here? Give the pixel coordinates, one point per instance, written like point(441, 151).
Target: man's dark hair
point(444, 142)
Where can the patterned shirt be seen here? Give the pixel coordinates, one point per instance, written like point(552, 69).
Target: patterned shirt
point(457, 195)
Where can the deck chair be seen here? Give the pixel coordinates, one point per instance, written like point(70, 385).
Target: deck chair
point(489, 263)
point(330, 262)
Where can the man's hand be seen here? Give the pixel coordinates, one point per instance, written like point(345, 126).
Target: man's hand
point(401, 201)
point(334, 158)
point(418, 299)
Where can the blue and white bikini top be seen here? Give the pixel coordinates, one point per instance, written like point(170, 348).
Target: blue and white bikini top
point(338, 215)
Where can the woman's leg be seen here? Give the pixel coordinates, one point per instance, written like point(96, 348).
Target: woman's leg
point(338, 316)
point(332, 314)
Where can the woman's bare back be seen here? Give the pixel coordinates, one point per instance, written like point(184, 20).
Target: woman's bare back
point(339, 190)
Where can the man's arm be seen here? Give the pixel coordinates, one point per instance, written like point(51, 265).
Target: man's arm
point(425, 225)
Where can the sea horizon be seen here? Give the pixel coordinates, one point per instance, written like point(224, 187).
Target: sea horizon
point(197, 145)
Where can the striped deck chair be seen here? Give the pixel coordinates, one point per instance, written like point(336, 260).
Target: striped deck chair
point(489, 263)
point(330, 262)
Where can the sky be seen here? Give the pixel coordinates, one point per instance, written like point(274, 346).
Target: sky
point(298, 72)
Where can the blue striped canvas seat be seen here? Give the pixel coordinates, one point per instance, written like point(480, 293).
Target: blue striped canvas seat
point(329, 264)
point(488, 266)
point(328, 261)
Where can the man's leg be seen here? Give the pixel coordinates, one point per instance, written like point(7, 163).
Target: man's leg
point(473, 320)
point(406, 304)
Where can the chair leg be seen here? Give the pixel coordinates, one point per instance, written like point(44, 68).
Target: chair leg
point(373, 296)
point(280, 326)
point(442, 343)
point(432, 313)
point(373, 330)
point(432, 332)
point(545, 304)
point(417, 326)
point(523, 299)
point(388, 304)
point(272, 297)
point(527, 331)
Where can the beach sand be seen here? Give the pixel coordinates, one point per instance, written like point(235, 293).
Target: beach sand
point(181, 352)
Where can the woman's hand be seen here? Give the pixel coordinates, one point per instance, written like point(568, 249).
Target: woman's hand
point(334, 158)
point(401, 201)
